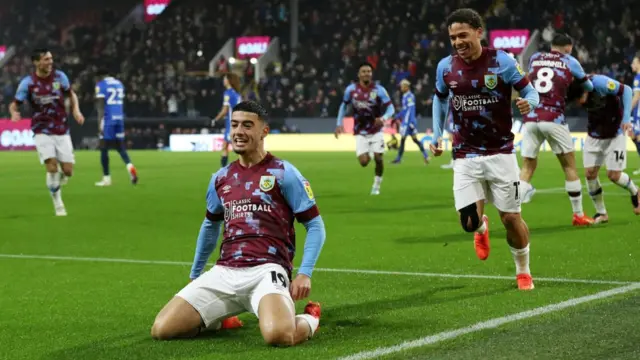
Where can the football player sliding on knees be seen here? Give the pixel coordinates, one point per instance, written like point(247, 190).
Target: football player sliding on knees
point(257, 198)
point(476, 84)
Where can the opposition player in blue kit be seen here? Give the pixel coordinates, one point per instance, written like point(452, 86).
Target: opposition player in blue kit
point(635, 105)
point(608, 124)
point(476, 83)
point(409, 123)
point(231, 98)
point(110, 96)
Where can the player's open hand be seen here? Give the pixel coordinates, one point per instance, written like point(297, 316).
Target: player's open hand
point(627, 129)
point(300, 287)
point(79, 117)
point(523, 105)
point(15, 117)
point(436, 150)
point(339, 130)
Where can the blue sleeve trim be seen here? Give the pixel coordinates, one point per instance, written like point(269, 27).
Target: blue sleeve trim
point(207, 241)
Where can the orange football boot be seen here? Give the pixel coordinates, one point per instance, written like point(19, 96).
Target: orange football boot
point(481, 241)
point(583, 220)
point(231, 323)
point(313, 309)
point(525, 282)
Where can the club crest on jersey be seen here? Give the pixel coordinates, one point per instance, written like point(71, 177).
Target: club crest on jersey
point(373, 95)
point(611, 85)
point(307, 188)
point(491, 81)
point(56, 86)
point(267, 182)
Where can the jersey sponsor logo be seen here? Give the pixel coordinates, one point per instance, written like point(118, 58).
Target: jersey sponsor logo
point(226, 189)
point(491, 81)
point(267, 182)
point(453, 84)
point(473, 102)
point(307, 188)
point(636, 83)
point(519, 68)
point(241, 209)
point(611, 85)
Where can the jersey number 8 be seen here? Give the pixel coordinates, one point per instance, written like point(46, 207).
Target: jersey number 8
point(116, 96)
point(543, 83)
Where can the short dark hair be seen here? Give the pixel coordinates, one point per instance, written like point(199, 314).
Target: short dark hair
point(365, 63)
point(465, 16)
point(561, 40)
point(253, 107)
point(36, 54)
point(102, 71)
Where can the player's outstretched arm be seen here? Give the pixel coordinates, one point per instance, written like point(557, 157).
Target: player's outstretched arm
point(21, 95)
point(207, 241)
point(316, 235)
point(299, 196)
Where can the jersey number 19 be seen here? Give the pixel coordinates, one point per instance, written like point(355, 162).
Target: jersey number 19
point(116, 96)
point(543, 82)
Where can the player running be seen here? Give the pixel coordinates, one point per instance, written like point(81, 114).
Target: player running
point(371, 108)
point(609, 112)
point(230, 100)
point(635, 105)
point(409, 123)
point(479, 80)
point(45, 90)
point(551, 75)
point(257, 197)
point(110, 97)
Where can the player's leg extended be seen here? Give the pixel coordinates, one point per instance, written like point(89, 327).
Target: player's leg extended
point(518, 240)
point(532, 138)
point(596, 194)
point(378, 158)
point(425, 154)
point(623, 180)
point(46, 147)
point(469, 196)
point(573, 186)
point(400, 149)
point(104, 161)
point(280, 326)
point(124, 155)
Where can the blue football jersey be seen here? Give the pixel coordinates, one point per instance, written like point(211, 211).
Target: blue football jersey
point(231, 99)
point(112, 91)
point(635, 113)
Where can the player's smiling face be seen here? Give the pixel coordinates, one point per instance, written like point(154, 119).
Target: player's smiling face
point(465, 40)
point(365, 74)
point(247, 132)
point(45, 64)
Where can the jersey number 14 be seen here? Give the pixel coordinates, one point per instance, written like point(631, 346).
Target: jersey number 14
point(543, 83)
point(116, 96)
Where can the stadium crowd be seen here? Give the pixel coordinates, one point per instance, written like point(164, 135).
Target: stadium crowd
point(164, 64)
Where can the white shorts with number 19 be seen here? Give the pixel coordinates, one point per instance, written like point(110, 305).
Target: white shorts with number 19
point(493, 178)
point(225, 291)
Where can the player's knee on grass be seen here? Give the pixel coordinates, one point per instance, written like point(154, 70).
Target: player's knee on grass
point(277, 320)
point(614, 175)
point(177, 319)
point(469, 218)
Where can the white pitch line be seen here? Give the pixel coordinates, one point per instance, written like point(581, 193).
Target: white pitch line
point(350, 271)
point(489, 324)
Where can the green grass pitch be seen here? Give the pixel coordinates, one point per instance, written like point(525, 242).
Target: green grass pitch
point(77, 307)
